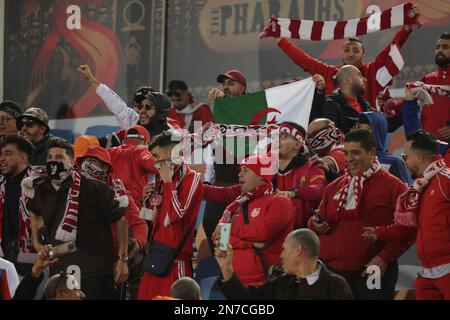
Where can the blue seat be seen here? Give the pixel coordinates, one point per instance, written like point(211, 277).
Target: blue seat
point(206, 275)
point(101, 131)
point(62, 133)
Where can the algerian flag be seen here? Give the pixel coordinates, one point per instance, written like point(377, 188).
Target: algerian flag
point(289, 102)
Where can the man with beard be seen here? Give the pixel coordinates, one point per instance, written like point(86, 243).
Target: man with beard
point(15, 228)
point(67, 207)
point(149, 110)
point(33, 125)
point(347, 101)
point(233, 84)
point(435, 117)
point(423, 215)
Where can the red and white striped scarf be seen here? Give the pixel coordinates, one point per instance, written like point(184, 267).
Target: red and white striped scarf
point(440, 90)
point(25, 240)
point(333, 30)
point(408, 202)
point(152, 203)
point(236, 206)
point(349, 196)
point(67, 230)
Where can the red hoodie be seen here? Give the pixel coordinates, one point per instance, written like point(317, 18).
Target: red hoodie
point(132, 164)
point(369, 71)
point(342, 246)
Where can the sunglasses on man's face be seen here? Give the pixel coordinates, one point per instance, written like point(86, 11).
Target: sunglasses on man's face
point(147, 107)
point(175, 94)
point(28, 123)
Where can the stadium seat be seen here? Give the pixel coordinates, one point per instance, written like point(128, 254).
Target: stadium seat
point(101, 131)
point(65, 134)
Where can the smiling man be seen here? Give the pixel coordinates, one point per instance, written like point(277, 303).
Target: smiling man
point(364, 197)
point(15, 154)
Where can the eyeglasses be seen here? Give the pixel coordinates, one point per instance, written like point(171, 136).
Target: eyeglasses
point(147, 107)
point(176, 94)
point(28, 123)
point(6, 119)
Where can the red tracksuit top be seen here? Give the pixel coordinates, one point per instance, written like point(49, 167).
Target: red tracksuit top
point(433, 234)
point(435, 116)
point(132, 164)
point(181, 207)
point(310, 182)
point(342, 246)
point(369, 71)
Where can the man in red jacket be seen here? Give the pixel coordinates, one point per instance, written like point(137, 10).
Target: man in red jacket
point(132, 162)
point(423, 214)
point(353, 54)
point(172, 207)
point(435, 118)
point(260, 220)
point(184, 108)
point(365, 196)
point(298, 179)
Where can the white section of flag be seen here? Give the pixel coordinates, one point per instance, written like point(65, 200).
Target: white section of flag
point(293, 100)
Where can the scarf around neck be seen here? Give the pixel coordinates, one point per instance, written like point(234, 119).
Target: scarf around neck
point(406, 213)
point(349, 196)
point(243, 199)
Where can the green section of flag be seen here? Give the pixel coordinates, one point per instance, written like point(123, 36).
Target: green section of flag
point(240, 110)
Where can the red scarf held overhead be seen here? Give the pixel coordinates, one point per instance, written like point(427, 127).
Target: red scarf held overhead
point(246, 197)
point(349, 196)
point(332, 30)
point(408, 202)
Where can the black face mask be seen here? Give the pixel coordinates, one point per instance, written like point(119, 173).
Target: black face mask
point(54, 169)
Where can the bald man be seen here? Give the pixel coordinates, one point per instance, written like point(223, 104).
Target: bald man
point(347, 101)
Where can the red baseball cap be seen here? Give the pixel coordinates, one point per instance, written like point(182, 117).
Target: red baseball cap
point(235, 75)
point(138, 132)
point(99, 153)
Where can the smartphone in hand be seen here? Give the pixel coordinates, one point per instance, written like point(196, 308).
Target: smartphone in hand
point(225, 229)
